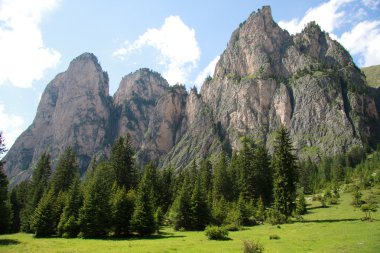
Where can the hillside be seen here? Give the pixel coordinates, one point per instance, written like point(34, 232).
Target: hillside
point(372, 74)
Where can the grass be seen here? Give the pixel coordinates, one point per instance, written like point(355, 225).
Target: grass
point(337, 228)
point(372, 75)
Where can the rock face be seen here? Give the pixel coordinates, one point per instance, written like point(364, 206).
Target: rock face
point(265, 78)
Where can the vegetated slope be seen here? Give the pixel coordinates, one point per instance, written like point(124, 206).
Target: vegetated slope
point(265, 78)
point(372, 74)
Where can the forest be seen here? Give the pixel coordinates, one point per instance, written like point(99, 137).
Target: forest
point(117, 199)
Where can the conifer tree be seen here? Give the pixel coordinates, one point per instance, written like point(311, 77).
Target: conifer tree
point(221, 181)
point(200, 212)
point(5, 210)
point(66, 171)
point(122, 210)
point(166, 185)
point(68, 224)
point(122, 163)
point(43, 221)
point(143, 215)
point(262, 175)
point(40, 179)
point(246, 182)
point(180, 213)
point(95, 213)
point(285, 177)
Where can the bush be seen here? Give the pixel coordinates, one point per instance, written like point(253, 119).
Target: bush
point(274, 237)
point(216, 233)
point(252, 247)
point(233, 227)
point(275, 217)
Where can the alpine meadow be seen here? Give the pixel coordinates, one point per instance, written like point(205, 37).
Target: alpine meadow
point(277, 151)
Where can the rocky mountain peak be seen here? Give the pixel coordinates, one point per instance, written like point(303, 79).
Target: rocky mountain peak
point(143, 83)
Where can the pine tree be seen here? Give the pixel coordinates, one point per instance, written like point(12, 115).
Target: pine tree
point(40, 179)
point(262, 175)
point(301, 204)
point(43, 221)
point(95, 213)
point(143, 215)
point(5, 210)
point(68, 224)
point(66, 171)
point(166, 185)
point(284, 167)
point(122, 163)
point(200, 212)
point(180, 212)
point(247, 181)
point(122, 210)
point(222, 187)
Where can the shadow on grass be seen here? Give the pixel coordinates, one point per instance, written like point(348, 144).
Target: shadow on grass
point(136, 237)
point(5, 242)
point(328, 221)
point(318, 207)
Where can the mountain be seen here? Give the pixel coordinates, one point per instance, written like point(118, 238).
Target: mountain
point(264, 78)
point(372, 74)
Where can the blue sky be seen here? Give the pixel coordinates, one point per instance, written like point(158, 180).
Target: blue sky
point(180, 39)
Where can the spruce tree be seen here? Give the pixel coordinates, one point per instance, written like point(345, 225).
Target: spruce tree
point(95, 213)
point(200, 212)
point(43, 221)
point(285, 173)
point(180, 212)
point(143, 216)
point(222, 187)
point(67, 170)
point(68, 224)
point(5, 210)
point(262, 175)
point(122, 210)
point(123, 164)
point(166, 185)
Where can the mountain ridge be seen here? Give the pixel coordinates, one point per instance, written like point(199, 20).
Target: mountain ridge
point(265, 78)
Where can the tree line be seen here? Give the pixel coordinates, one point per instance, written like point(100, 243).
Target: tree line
point(116, 198)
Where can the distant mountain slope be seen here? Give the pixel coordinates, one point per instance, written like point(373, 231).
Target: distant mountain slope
point(372, 74)
point(265, 78)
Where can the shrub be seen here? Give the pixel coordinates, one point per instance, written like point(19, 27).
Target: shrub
point(274, 237)
point(233, 227)
point(252, 247)
point(275, 217)
point(216, 233)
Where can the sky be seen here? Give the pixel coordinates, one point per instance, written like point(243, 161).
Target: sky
point(180, 39)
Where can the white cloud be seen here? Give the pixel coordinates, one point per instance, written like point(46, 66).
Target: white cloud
point(364, 40)
point(371, 3)
point(208, 71)
point(23, 55)
point(328, 15)
point(11, 126)
point(177, 46)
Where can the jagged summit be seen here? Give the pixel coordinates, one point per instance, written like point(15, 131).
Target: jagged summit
point(265, 78)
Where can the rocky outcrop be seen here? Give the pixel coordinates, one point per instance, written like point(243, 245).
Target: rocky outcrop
point(74, 111)
point(264, 79)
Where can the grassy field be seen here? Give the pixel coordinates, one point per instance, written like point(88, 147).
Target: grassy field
point(335, 229)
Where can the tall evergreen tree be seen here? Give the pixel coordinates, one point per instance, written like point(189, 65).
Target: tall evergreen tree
point(200, 211)
point(262, 181)
point(43, 221)
point(5, 210)
point(247, 171)
point(68, 224)
point(123, 164)
point(285, 173)
point(222, 187)
point(180, 212)
point(95, 213)
point(40, 179)
point(66, 171)
point(122, 204)
point(143, 216)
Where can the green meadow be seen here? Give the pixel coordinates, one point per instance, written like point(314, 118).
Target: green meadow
point(337, 228)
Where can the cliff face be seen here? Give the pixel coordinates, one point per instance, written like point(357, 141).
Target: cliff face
point(74, 111)
point(308, 82)
point(265, 78)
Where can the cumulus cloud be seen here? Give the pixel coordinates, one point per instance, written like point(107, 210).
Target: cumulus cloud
point(328, 15)
point(371, 3)
point(11, 126)
point(208, 71)
point(22, 49)
point(364, 40)
point(176, 44)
